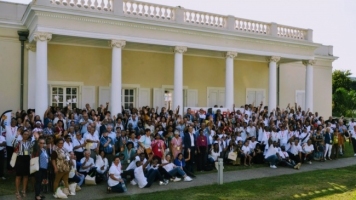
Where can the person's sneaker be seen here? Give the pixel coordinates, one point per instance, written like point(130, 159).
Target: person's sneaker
point(187, 179)
point(310, 162)
point(3, 178)
point(78, 188)
point(133, 182)
point(273, 167)
point(176, 179)
point(163, 183)
point(355, 154)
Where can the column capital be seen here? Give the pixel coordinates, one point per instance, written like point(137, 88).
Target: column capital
point(231, 54)
point(180, 49)
point(308, 62)
point(118, 44)
point(273, 59)
point(31, 47)
point(41, 36)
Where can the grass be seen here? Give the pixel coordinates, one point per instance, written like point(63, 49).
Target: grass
point(322, 184)
point(8, 186)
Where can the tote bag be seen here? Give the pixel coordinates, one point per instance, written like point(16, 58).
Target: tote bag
point(34, 165)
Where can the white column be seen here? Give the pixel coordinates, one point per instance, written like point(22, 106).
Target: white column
point(272, 86)
point(309, 84)
point(178, 78)
point(229, 79)
point(31, 76)
point(116, 76)
point(41, 90)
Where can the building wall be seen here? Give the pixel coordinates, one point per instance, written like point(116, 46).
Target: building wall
point(92, 66)
point(292, 78)
point(10, 56)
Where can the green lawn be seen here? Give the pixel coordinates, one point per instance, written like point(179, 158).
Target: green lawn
point(323, 184)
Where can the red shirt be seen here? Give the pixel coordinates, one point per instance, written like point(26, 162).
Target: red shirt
point(202, 141)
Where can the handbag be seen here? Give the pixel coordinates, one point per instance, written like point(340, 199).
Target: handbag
point(89, 180)
point(13, 159)
point(34, 165)
point(232, 156)
point(148, 151)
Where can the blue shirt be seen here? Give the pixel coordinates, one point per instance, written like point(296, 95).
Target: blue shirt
point(110, 147)
point(179, 163)
point(43, 159)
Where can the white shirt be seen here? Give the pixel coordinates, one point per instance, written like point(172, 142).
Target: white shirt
point(73, 168)
point(93, 138)
point(90, 162)
point(132, 165)
point(308, 148)
point(295, 149)
point(283, 136)
point(271, 151)
point(116, 171)
point(169, 166)
point(68, 147)
point(77, 142)
point(140, 177)
point(251, 131)
point(353, 134)
point(146, 141)
point(10, 134)
point(2, 139)
point(283, 154)
point(252, 145)
point(245, 149)
point(266, 136)
point(303, 135)
point(275, 136)
point(64, 122)
point(99, 162)
point(192, 139)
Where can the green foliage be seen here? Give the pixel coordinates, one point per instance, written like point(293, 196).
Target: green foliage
point(344, 97)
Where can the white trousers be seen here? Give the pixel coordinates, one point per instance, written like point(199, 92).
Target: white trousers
point(327, 150)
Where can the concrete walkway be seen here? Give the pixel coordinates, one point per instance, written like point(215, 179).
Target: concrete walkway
point(99, 191)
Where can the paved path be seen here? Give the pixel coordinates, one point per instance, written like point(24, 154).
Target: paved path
point(99, 191)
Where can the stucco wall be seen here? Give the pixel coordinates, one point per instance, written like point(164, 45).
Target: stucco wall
point(92, 66)
point(10, 52)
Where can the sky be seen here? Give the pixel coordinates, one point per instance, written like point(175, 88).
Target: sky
point(333, 21)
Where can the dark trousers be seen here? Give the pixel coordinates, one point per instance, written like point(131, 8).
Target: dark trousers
point(295, 158)
point(164, 173)
point(190, 164)
point(2, 162)
point(118, 188)
point(128, 174)
point(354, 144)
point(39, 176)
point(9, 151)
point(308, 157)
point(151, 176)
point(201, 158)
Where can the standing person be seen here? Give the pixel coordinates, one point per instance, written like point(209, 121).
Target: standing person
point(328, 144)
point(145, 141)
point(176, 144)
point(202, 147)
point(158, 146)
point(61, 164)
point(107, 145)
point(40, 151)
point(2, 156)
point(78, 146)
point(190, 143)
point(23, 147)
point(353, 139)
point(10, 136)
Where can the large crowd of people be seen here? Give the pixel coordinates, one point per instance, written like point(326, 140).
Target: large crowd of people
point(141, 146)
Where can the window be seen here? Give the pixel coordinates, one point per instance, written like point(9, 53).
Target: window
point(64, 96)
point(129, 98)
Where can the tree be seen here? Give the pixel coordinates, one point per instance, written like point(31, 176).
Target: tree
point(341, 79)
point(344, 97)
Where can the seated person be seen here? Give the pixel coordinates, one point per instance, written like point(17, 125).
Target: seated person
point(214, 153)
point(246, 153)
point(295, 152)
point(180, 162)
point(128, 174)
point(146, 181)
point(87, 163)
point(102, 165)
point(272, 156)
point(173, 170)
point(258, 154)
point(308, 150)
point(74, 176)
point(115, 182)
point(284, 158)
